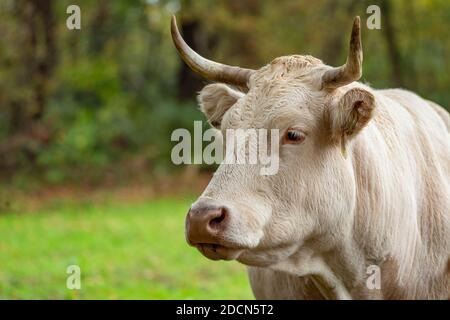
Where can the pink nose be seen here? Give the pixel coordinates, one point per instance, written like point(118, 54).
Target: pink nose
point(204, 222)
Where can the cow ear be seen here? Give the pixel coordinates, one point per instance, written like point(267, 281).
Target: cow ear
point(351, 114)
point(215, 100)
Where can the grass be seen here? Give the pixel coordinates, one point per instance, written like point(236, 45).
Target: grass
point(125, 251)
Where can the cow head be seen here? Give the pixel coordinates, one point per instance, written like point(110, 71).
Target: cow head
point(261, 220)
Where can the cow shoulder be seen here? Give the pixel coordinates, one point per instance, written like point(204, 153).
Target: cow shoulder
point(442, 113)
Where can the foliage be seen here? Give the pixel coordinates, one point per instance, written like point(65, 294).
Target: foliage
point(90, 98)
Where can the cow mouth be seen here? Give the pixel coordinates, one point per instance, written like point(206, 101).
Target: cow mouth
point(218, 252)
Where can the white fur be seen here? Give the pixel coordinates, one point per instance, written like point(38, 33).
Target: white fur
point(313, 229)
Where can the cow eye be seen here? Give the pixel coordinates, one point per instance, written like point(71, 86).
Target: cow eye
point(293, 136)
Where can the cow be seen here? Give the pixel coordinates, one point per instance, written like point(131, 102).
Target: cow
point(362, 191)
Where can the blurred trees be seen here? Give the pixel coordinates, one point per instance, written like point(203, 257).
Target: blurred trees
point(88, 99)
point(392, 45)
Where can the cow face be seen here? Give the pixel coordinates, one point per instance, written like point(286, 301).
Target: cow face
point(317, 110)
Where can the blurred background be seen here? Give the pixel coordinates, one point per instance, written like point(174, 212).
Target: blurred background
point(86, 117)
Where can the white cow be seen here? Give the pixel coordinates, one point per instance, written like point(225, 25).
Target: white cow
point(363, 184)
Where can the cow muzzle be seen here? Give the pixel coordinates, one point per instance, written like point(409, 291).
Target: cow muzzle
point(207, 225)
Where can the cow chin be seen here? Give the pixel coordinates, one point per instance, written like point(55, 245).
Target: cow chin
point(219, 252)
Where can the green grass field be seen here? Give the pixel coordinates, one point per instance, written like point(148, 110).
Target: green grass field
point(125, 251)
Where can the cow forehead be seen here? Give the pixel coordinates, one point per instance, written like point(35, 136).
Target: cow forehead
point(285, 88)
point(287, 68)
point(255, 110)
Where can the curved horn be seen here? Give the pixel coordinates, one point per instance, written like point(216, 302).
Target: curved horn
point(209, 69)
point(352, 69)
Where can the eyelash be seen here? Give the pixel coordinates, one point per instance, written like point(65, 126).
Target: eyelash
point(293, 136)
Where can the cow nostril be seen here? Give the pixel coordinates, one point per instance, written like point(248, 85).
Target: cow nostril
point(215, 223)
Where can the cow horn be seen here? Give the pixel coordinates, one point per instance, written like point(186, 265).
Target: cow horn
point(211, 70)
point(352, 69)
